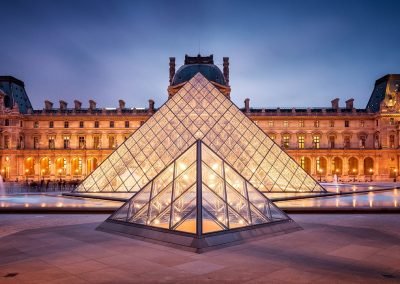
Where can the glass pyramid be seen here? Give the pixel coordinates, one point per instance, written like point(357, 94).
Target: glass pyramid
point(199, 193)
point(199, 111)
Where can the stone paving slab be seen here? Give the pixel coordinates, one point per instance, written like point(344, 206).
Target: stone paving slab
point(330, 249)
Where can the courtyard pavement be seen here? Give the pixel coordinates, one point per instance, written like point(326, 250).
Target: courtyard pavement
point(331, 249)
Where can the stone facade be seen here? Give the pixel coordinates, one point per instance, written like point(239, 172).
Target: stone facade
point(69, 143)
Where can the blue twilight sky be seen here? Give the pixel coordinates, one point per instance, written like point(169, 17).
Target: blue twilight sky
point(282, 53)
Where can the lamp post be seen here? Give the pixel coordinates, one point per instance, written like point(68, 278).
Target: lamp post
point(320, 174)
point(354, 175)
point(370, 173)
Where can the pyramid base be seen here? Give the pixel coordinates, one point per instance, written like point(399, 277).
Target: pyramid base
point(194, 243)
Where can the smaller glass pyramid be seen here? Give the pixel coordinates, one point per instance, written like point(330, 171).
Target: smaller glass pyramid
point(198, 194)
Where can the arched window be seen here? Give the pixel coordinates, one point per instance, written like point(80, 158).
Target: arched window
point(368, 166)
point(353, 166)
point(337, 166)
point(45, 166)
point(29, 165)
point(61, 167)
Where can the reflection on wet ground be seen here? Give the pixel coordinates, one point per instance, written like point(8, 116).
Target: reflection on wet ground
point(346, 196)
point(379, 199)
point(52, 201)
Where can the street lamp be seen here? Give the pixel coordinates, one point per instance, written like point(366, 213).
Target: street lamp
point(320, 174)
point(354, 175)
point(370, 173)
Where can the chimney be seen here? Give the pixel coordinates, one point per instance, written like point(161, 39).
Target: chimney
point(171, 69)
point(151, 106)
point(78, 105)
point(48, 105)
point(247, 105)
point(121, 104)
point(349, 103)
point(335, 103)
point(92, 105)
point(226, 69)
point(63, 105)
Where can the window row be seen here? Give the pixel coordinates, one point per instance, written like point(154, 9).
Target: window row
point(317, 141)
point(95, 124)
point(316, 123)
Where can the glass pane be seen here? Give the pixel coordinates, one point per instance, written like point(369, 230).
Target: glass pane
point(212, 160)
point(213, 181)
point(162, 220)
point(185, 160)
point(160, 202)
point(234, 180)
point(235, 220)
point(209, 224)
point(214, 205)
point(188, 225)
point(183, 205)
point(238, 203)
point(122, 213)
point(185, 180)
point(161, 181)
point(140, 199)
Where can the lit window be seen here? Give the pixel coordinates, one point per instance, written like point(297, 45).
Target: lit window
point(52, 144)
point(301, 123)
point(316, 123)
point(286, 139)
point(301, 142)
point(316, 140)
point(66, 142)
point(82, 142)
point(270, 123)
point(285, 123)
point(302, 162)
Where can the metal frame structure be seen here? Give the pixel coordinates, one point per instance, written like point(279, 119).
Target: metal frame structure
point(199, 111)
point(228, 209)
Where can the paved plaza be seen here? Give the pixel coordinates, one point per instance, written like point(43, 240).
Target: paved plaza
point(331, 249)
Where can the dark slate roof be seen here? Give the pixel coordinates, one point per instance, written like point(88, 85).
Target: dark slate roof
point(378, 94)
point(210, 71)
point(15, 93)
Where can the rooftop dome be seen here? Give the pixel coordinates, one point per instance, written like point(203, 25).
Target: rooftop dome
point(187, 72)
point(195, 64)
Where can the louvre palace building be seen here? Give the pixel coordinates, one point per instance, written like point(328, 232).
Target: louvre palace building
point(68, 143)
